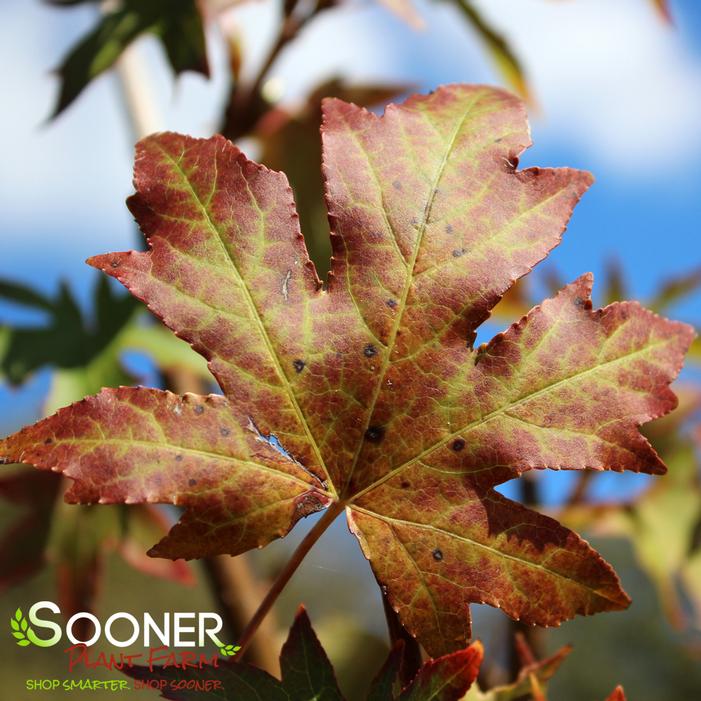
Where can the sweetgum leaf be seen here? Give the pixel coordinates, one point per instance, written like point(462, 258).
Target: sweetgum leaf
point(366, 394)
point(305, 668)
point(445, 678)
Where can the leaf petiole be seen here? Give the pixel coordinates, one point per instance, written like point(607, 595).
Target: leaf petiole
point(285, 575)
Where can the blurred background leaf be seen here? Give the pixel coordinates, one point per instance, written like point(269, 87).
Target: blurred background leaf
point(177, 24)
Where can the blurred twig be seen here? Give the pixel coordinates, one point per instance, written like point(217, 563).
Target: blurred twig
point(247, 103)
point(526, 643)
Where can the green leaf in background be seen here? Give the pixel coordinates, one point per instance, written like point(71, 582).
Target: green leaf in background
point(85, 349)
point(68, 340)
point(176, 23)
point(676, 289)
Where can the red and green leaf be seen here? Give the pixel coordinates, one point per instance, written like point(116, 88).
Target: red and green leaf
point(366, 393)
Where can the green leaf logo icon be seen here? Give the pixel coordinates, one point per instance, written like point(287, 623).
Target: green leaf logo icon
point(229, 650)
point(20, 629)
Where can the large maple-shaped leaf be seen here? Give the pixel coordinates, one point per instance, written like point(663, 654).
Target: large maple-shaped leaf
point(366, 394)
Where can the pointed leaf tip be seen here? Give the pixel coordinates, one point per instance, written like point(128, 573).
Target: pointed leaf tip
point(446, 678)
point(617, 694)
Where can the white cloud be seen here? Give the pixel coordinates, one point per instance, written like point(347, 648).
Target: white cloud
point(611, 76)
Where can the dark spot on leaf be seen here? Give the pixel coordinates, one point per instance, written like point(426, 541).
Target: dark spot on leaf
point(369, 351)
point(458, 445)
point(224, 431)
point(115, 263)
point(192, 482)
point(298, 365)
point(48, 441)
point(497, 141)
point(392, 303)
point(397, 185)
point(179, 458)
point(458, 252)
point(405, 484)
point(448, 228)
point(199, 409)
point(375, 434)
point(437, 555)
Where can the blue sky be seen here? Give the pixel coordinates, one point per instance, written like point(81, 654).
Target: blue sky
point(618, 93)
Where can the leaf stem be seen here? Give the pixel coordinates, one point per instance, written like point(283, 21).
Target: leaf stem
point(581, 487)
point(286, 574)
